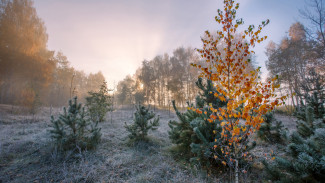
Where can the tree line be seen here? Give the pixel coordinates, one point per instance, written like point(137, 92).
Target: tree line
point(168, 77)
point(162, 79)
point(29, 71)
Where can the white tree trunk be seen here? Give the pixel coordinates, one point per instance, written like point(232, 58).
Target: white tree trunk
point(236, 172)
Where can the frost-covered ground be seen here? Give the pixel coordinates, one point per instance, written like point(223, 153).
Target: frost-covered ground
point(27, 155)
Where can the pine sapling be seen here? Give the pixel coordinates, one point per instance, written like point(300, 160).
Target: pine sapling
point(272, 130)
point(144, 120)
point(193, 135)
point(304, 158)
point(73, 130)
point(98, 103)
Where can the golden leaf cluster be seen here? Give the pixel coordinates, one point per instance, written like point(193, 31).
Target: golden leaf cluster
point(248, 98)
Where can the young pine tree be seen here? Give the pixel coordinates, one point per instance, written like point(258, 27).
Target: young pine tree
point(98, 103)
point(314, 101)
point(193, 134)
point(305, 155)
point(73, 130)
point(144, 120)
point(272, 130)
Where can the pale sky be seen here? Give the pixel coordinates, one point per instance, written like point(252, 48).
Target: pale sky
point(115, 36)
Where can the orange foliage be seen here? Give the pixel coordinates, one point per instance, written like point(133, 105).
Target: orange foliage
point(248, 98)
point(27, 97)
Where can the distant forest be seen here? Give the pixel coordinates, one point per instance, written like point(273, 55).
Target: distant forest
point(162, 79)
point(29, 72)
point(166, 78)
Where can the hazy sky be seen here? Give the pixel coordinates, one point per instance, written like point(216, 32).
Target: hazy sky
point(115, 36)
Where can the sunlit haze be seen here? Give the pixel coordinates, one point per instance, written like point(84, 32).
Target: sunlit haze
point(162, 90)
point(116, 36)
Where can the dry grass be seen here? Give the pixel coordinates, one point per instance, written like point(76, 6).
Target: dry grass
point(285, 110)
point(27, 154)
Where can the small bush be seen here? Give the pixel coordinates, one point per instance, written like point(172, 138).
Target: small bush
point(73, 130)
point(142, 124)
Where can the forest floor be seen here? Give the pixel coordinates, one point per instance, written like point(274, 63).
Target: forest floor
point(27, 153)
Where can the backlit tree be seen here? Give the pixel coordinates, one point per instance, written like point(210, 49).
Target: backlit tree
point(248, 99)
